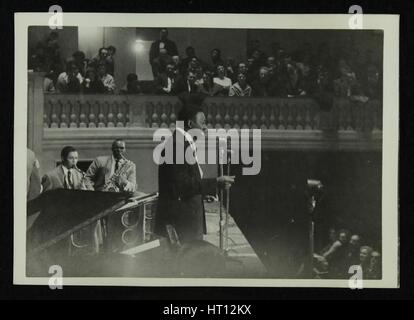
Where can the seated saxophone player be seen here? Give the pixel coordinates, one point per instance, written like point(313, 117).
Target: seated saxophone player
point(112, 173)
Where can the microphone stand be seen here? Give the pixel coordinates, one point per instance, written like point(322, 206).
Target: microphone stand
point(221, 222)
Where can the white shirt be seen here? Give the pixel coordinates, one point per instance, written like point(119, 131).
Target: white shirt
point(225, 82)
point(108, 82)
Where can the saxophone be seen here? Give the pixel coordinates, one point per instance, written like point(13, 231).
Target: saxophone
point(112, 185)
point(83, 181)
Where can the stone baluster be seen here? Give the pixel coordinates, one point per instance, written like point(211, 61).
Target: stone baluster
point(209, 116)
point(46, 113)
point(103, 107)
point(120, 115)
point(154, 117)
point(272, 117)
point(82, 115)
point(73, 117)
point(126, 108)
point(110, 116)
point(64, 107)
point(300, 116)
point(173, 115)
point(264, 116)
point(281, 118)
point(290, 115)
point(227, 117)
point(218, 118)
point(164, 116)
point(92, 114)
point(245, 119)
point(308, 121)
point(236, 117)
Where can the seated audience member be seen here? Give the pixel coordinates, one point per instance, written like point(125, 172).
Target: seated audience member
point(231, 71)
point(80, 61)
point(49, 83)
point(199, 75)
point(222, 81)
point(375, 270)
point(337, 255)
point(261, 85)
point(160, 63)
point(252, 71)
point(110, 60)
point(186, 84)
point(132, 86)
point(271, 63)
point(372, 83)
point(91, 83)
point(333, 237)
point(365, 255)
point(242, 68)
point(71, 80)
point(208, 87)
point(177, 63)
point(106, 79)
point(215, 56)
point(165, 82)
point(240, 88)
point(353, 250)
point(190, 54)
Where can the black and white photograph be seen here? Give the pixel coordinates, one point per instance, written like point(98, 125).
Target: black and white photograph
point(206, 150)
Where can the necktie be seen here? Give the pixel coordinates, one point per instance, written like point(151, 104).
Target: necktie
point(70, 184)
point(116, 165)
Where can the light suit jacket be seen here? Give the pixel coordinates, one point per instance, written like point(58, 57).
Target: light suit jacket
point(99, 173)
point(55, 179)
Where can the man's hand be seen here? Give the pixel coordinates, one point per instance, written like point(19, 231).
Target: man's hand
point(225, 181)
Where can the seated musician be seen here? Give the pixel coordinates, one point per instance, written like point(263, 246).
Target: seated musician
point(112, 173)
point(66, 175)
point(182, 187)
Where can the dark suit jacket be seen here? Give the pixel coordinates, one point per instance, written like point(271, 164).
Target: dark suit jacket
point(181, 192)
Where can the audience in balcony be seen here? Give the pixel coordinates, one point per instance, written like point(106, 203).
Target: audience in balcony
point(224, 83)
point(240, 88)
point(71, 80)
point(322, 74)
point(162, 43)
point(132, 86)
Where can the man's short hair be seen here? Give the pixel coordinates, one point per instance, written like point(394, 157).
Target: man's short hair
point(117, 140)
point(65, 152)
point(188, 112)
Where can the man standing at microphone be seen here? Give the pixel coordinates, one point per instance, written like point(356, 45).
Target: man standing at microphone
point(181, 185)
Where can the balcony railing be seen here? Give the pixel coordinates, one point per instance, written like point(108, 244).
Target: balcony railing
point(138, 111)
